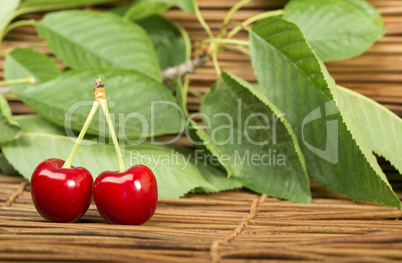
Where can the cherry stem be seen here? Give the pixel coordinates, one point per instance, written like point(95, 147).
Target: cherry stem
point(214, 55)
point(196, 93)
point(105, 108)
point(201, 20)
point(29, 80)
point(227, 41)
point(30, 22)
point(229, 15)
point(255, 19)
point(84, 129)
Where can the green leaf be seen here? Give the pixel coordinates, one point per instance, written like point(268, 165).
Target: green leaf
point(7, 8)
point(9, 129)
point(119, 10)
point(381, 128)
point(83, 39)
point(142, 106)
point(336, 29)
point(182, 93)
point(46, 5)
point(291, 75)
point(5, 166)
point(211, 174)
point(187, 5)
point(171, 43)
point(141, 9)
point(192, 129)
point(174, 175)
point(251, 143)
point(24, 62)
point(217, 178)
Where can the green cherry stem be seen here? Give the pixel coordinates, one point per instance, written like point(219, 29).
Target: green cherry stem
point(84, 129)
point(254, 19)
point(214, 56)
point(29, 80)
point(229, 15)
point(227, 41)
point(100, 96)
point(201, 20)
point(30, 22)
point(105, 108)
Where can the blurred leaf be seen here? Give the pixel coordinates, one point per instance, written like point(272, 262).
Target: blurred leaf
point(192, 129)
point(171, 43)
point(217, 178)
point(7, 8)
point(142, 105)
point(187, 5)
point(120, 10)
point(83, 39)
point(28, 6)
point(141, 9)
point(24, 62)
point(336, 29)
point(213, 174)
point(182, 93)
point(9, 129)
point(5, 167)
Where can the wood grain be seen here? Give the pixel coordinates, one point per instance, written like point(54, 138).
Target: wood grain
point(231, 226)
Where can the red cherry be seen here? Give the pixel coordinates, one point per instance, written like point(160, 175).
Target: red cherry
point(127, 198)
point(60, 194)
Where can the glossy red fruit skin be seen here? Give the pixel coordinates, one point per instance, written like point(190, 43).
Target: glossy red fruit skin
point(59, 194)
point(127, 198)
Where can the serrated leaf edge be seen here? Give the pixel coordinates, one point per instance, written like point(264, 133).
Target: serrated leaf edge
point(382, 108)
point(333, 94)
point(277, 112)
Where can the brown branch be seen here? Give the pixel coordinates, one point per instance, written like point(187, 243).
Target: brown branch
point(189, 66)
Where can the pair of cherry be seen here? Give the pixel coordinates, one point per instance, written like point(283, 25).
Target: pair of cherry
point(63, 193)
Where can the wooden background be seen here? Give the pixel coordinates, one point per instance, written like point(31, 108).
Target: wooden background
point(234, 226)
